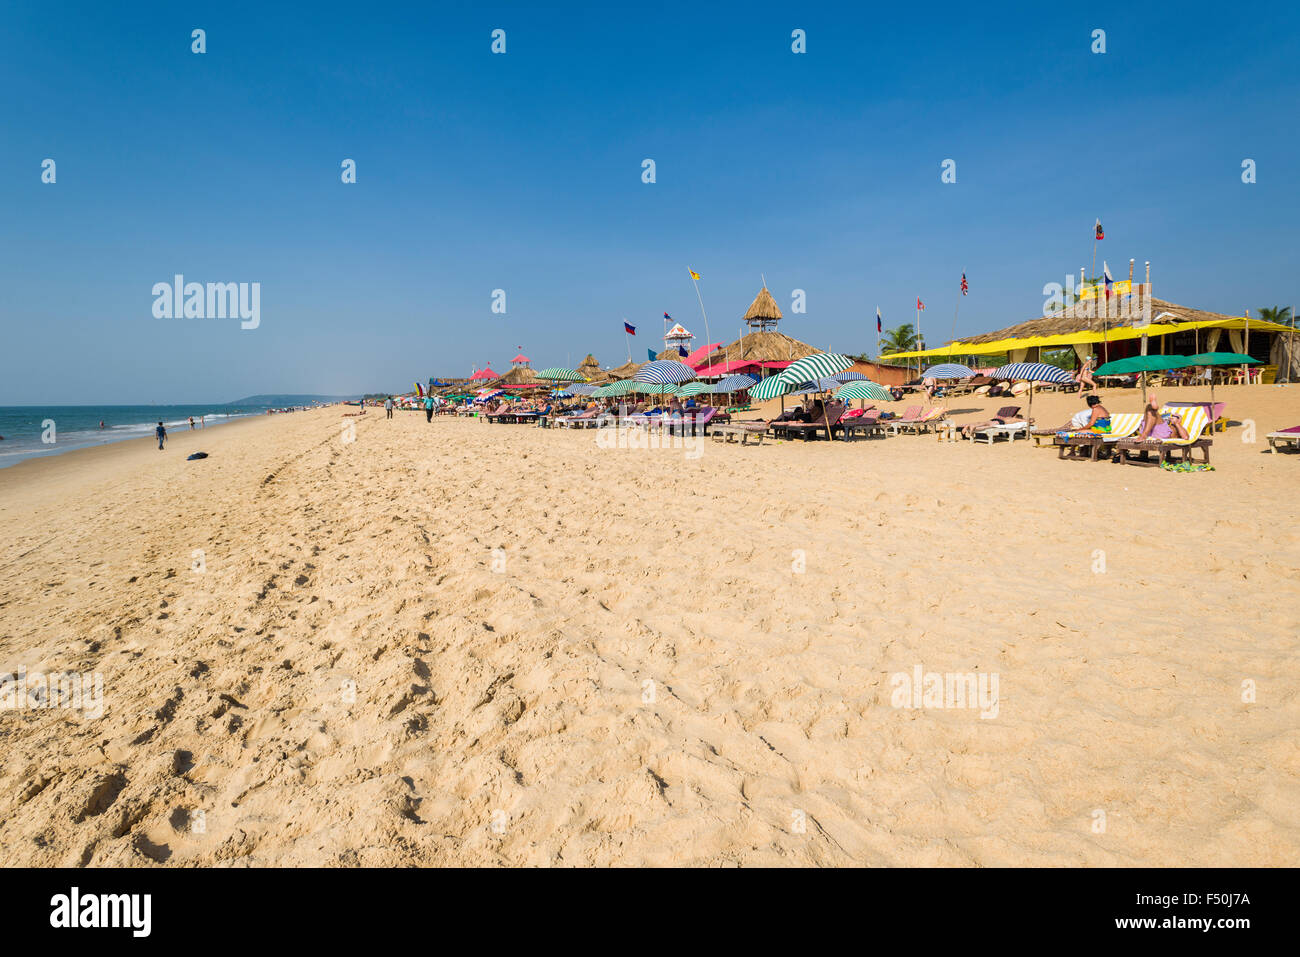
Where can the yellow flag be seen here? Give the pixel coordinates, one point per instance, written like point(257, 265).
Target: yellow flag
point(694, 274)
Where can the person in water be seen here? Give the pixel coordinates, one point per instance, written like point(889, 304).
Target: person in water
point(101, 423)
point(161, 433)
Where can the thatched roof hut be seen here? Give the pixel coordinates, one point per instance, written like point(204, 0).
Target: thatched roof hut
point(762, 347)
point(1098, 315)
point(625, 371)
point(763, 312)
point(519, 375)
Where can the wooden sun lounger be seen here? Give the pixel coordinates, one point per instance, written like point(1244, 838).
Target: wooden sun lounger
point(1286, 438)
point(744, 430)
point(1122, 426)
point(1010, 432)
point(830, 419)
point(1195, 420)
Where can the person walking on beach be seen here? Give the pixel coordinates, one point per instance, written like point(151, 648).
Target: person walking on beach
point(428, 408)
point(191, 423)
point(1084, 378)
point(388, 407)
point(161, 433)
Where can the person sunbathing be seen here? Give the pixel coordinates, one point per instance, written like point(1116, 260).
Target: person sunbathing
point(1158, 426)
point(1094, 417)
point(969, 430)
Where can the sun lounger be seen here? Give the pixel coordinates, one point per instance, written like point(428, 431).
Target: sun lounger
point(1286, 438)
point(742, 430)
point(866, 424)
point(1010, 432)
point(828, 422)
point(1122, 426)
point(910, 414)
point(924, 423)
point(582, 420)
point(1195, 420)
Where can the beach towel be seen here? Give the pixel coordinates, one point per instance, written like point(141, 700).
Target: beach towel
point(196, 455)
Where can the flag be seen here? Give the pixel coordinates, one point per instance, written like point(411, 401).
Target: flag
point(964, 288)
point(650, 355)
point(694, 274)
point(668, 317)
point(681, 351)
point(1105, 271)
point(629, 328)
point(919, 304)
point(1101, 233)
point(879, 323)
point(419, 391)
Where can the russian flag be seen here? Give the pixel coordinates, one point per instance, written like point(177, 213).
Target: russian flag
point(879, 325)
point(629, 328)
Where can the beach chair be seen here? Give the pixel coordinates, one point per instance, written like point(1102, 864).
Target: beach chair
point(868, 423)
point(744, 431)
point(829, 421)
point(581, 420)
point(1215, 410)
point(1285, 438)
point(1195, 420)
point(1122, 426)
point(929, 420)
point(910, 414)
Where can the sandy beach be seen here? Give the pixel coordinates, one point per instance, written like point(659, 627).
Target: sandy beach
point(463, 644)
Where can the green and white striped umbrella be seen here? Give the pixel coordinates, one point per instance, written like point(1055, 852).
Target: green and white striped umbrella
point(771, 387)
point(814, 367)
point(695, 388)
point(622, 387)
point(865, 390)
point(562, 375)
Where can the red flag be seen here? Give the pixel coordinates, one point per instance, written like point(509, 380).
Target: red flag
point(964, 288)
point(919, 304)
point(1101, 233)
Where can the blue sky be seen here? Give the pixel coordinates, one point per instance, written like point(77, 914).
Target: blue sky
point(523, 172)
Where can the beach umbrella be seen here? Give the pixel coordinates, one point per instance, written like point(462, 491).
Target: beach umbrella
point(664, 372)
point(948, 370)
point(770, 388)
point(609, 389)
point(695, 388)
point(865, 390)
point(1032, 372)
point(735, 383)
point(561, 375)
point(816, 366)
point(1142, 365)
point(851, 375)
point(1219, 359)
point(583, 388)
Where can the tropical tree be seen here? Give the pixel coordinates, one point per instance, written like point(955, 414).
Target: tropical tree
point(902, 339)
point(1279, 314)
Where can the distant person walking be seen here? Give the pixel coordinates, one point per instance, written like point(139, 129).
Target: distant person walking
point(191, 423)
point(388, 407)
point(161, 433)
point(428, 408)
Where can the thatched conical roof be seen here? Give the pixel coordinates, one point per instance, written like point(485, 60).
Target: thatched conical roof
point(1096, 315)
point(520, 375)
point(625, 371)
point(763, 346)
point(590, 367)
point(763, 312)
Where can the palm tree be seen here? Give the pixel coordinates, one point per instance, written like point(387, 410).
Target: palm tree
point(902, 339)
point(1279, 314)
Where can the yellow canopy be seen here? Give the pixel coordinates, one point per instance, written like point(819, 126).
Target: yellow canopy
point(1070, 338)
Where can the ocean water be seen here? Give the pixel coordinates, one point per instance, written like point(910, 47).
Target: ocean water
point(77, 426)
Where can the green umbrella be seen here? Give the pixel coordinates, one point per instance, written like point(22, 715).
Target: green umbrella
point(1143, 364)
point(1220, 359)
point(771, 387)
point(694, 388)
point(562, 375)
point(865, 390)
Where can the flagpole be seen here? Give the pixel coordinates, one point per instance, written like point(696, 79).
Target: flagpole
point(627, 339)
point(707, 338)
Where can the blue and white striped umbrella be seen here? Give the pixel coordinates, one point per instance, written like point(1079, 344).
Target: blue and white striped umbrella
point(664, 372)
point(814, 367)
point(851, 375)
point(1033, 372)
point(735, 383)
point(948, 370)
point(770, 388)
point(585, 388)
